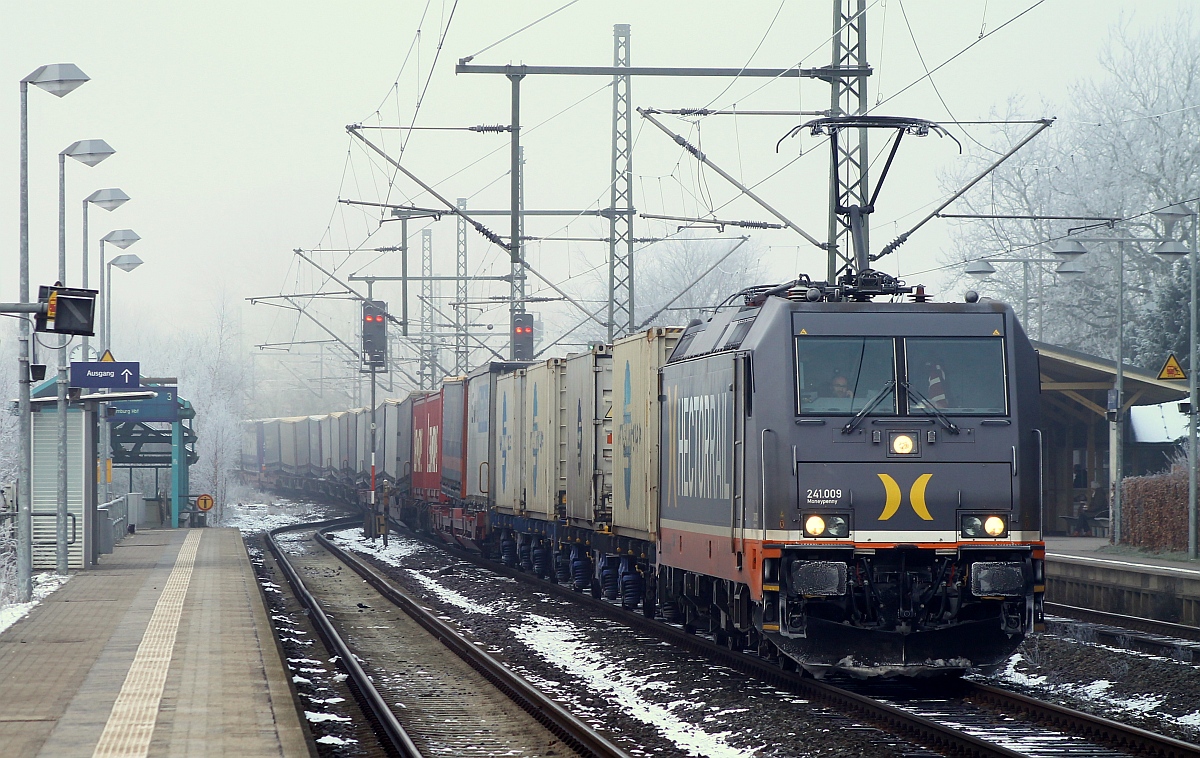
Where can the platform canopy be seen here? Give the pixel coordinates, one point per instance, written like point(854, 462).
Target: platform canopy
point(1081, 381)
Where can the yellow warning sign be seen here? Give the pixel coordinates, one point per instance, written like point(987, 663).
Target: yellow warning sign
point(995, 332)
point(1171, 370)
point(804, 331)
point(107, 357)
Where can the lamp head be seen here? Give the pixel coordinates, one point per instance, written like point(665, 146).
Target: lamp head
point(980, 269)
point(1070, 270)
point(1068, 250)
point(126, 262)
point(1171, 250)
point(59, 79)
point(122, 238)
point(108, 199)
point(89, 151)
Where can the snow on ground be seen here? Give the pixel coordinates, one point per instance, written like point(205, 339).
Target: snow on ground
point(272, 513)
point(43, 585)
point(1098, 692)
point(565, 646)
point(398, 548)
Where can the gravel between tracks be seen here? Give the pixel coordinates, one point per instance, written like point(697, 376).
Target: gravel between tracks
point(1155, 693)
point(646, 695)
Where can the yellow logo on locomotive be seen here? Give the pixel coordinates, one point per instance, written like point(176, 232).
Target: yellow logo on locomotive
point(916, 497)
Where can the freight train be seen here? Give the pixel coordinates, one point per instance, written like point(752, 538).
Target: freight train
point(836, 483)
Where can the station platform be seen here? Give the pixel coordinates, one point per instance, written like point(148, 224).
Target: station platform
point(1086, 572)
point(164, 649)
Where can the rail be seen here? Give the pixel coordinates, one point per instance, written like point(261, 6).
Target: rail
point(897, 720)
point(561, 722)
point(368, 696)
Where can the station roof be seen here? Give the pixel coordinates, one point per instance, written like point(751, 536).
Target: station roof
point(1084, 380)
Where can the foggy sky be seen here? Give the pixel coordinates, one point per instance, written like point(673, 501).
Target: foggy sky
point(228, 120)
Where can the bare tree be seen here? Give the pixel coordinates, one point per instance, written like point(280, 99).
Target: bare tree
point(1129, 144)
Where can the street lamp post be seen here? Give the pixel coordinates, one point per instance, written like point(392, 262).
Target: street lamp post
point(122, 238)
point(126, 262)
point(1170, 216)
point(59, 79)
point(88, 152)
point(982, 269)
point(1171, 250)
point(109, 199)
point(1192, 358)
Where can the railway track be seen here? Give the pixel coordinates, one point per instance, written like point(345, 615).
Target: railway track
point(450, 697)
point(969, 719)
point(1176, 641)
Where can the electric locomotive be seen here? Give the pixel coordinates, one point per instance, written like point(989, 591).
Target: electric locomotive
point(854, 486)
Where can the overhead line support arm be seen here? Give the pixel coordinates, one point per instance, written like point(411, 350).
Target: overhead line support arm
point(1042, 126)
point(700, 156)
point(488, 233)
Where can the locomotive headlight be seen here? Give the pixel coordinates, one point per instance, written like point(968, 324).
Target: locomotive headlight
point(994, 526)
point(903, 444)
point(814, 525)
point(826, 525)
point(972, 526)
point(837, 527)
point(983, 526)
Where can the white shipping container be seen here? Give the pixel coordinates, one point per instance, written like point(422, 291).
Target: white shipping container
point(481, 388)
point(337, 453)
point(508, 422)
point(589, 436)
point(270, 430)
point(328, 446)
point(315, 457)
point(403, 438)
point(636, 414)
point(545, 450)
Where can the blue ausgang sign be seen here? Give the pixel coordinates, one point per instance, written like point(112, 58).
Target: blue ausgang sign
point(124, 375)
point(161, 408)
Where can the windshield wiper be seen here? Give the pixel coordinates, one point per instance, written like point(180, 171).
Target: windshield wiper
point(853, 423)
point(929, 407)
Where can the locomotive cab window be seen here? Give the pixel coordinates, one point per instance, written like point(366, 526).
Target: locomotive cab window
point(843, 375)
point(956, 375)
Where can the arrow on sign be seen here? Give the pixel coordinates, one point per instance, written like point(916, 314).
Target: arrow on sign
point(126, 373)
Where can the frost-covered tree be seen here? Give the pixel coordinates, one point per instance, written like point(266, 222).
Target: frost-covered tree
point(670, 267)
point(1128, 143)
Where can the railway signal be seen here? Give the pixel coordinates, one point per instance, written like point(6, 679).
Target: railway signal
point(522, 336)
point(374, 335)
point(68, 310)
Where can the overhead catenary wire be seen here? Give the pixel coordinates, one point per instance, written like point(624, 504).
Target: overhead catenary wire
point(530, 25)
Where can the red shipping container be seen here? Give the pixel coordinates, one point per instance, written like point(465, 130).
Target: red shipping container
point(427, 448)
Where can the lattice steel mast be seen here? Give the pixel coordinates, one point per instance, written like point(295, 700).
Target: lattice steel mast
point(620, 210)
point(460, 311)
point(428, 330)
point(848, 169)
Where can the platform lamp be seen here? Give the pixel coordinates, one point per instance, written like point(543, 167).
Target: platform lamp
point(59, 79)
point(122, 238)
point(1171, 216)
point(126, 262)
point(982, 268)
point(89, 152)
point(109, 199)
point(1171, 250)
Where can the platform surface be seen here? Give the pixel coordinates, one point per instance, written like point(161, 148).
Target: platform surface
point(165, 649)
point(1093, 548)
